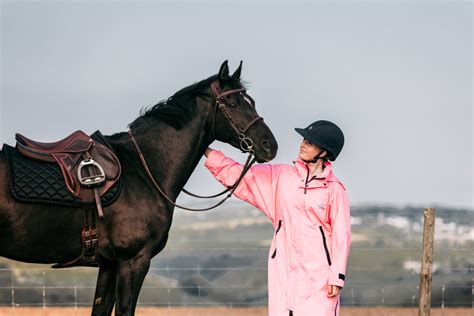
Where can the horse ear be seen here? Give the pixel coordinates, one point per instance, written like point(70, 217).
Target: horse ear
point(236, 75)
point(224, 71)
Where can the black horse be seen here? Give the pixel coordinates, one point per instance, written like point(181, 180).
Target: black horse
point(173, 136)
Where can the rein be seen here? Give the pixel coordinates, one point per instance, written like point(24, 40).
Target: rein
point(246, 145)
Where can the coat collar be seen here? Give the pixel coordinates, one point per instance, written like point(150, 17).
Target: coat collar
point(326, 176)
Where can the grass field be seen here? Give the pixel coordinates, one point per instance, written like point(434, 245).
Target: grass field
point(209, 311)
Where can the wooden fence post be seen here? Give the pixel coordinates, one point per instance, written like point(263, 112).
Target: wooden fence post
point(426, 262)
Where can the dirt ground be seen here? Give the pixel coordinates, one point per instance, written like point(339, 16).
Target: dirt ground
point(210, 311)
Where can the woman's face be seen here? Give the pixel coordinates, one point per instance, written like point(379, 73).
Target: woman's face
point(309, 150)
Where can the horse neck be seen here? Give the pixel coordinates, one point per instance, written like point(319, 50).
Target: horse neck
point(172, 155)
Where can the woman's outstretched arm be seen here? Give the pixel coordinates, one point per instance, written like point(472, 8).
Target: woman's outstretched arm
point(257, 187)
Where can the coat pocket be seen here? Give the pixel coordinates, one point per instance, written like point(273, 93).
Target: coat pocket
point(276, 233)
point(326, 250)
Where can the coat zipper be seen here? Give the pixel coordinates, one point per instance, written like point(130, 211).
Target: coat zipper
point(309, 180)
point(276, 232)
point(325, 245)
point(307, 176)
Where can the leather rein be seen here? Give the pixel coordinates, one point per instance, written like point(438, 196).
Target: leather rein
point(246, 145)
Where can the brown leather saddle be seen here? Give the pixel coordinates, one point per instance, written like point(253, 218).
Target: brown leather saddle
point(89, 168)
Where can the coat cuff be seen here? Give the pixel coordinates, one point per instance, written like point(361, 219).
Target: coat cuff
point(336, 278)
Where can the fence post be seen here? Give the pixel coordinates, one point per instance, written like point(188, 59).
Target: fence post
point(426, 262)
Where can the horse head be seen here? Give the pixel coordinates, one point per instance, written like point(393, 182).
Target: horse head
point(234, 118)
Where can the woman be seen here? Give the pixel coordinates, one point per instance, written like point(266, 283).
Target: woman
point(309, 209)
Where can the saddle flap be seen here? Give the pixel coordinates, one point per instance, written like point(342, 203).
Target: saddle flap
point(70, 164)
point(108, 160)
point(67, 163)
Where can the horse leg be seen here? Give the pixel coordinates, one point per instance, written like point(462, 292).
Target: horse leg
point(130, 276)
point(104, 297)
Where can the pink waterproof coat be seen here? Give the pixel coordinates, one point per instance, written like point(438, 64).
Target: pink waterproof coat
point(312, 231)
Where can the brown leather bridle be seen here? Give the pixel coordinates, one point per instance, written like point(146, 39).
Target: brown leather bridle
point(246, 145)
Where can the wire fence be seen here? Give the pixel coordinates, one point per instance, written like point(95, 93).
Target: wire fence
point(237, 277)
point(218, 260)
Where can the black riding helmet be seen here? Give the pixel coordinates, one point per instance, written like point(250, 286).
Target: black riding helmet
point(326, 135)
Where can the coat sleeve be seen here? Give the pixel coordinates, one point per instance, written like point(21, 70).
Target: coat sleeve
point(341, 235)
point(256, 187)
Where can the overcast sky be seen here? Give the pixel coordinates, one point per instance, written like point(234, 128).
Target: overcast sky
point(395, 76)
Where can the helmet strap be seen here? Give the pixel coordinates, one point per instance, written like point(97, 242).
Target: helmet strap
point(316, 158)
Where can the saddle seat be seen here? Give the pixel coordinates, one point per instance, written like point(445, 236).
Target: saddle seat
point(77, 142)
point(53, 146)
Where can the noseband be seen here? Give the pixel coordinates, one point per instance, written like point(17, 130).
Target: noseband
point(246, 145)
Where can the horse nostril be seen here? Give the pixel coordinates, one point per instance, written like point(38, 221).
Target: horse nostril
point(265, 145)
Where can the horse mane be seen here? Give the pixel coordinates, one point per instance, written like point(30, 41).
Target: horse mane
point(180, 108)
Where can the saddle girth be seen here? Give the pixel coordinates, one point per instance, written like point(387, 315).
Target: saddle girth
point(90, 240)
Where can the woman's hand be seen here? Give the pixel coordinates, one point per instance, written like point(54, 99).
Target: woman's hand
point(333, 290)
point(207, 151)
